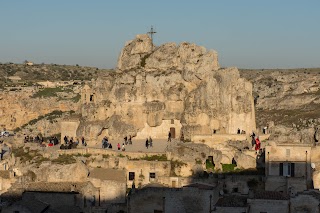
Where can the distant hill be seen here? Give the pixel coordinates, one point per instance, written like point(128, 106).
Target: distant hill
point(51, 72)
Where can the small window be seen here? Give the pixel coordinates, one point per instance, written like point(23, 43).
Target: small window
point(152, 175)
point(288, 152)
point(172, 121)
point(131, 175)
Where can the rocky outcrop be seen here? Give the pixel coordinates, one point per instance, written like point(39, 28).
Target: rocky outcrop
point(18, 108)
point(141, 53)
point(170, 86)
point(289, 99)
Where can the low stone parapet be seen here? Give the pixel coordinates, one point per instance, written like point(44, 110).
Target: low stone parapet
point(211, 140)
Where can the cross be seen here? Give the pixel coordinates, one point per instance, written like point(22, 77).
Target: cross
point(151, 33)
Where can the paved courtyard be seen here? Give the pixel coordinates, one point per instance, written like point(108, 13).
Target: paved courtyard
point(138, 145)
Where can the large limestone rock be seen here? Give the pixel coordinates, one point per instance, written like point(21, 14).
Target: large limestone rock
point(245, 161)
point(140, 53)
point(171, 86)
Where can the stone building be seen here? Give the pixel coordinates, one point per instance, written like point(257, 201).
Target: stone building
point(111, 185)
point(288, 167)
point(156, 198)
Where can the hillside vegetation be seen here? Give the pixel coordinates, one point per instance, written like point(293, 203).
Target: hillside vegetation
point(43, 72)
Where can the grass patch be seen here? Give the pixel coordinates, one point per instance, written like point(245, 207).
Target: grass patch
point(64, 159)
point(105, 156)
point(153, 158)
point(86, 155)
point(76, 98)
point(47, 92)
point(228, 167)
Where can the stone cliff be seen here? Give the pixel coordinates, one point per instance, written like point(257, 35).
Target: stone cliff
point(177, 88)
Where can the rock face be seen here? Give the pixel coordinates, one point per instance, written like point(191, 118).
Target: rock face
point(77, 172)
point(17, 108)
point(288, 98)
point(168, 88)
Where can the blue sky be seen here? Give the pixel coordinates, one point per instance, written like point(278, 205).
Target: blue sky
point(246, 34)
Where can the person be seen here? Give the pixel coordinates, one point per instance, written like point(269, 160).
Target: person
point(125, 140)
point(56, 141)
point(65, 139)
point(77, 141)
point(118, 145)
point(150, 141)
point(169, 137)
point(182, 137)
point(103, 142)
point(110, 146)
point(253, 141)
point(147, 143)
point(257, 148)
point(83, 141)
point(123, 148)
point(130, 139)
point(265, 130)
point(238, 131)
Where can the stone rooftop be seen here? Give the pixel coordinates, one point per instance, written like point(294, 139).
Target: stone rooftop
point(270, 195)
point(232, 201)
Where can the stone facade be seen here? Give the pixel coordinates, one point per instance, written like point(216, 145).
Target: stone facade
point(288, 167)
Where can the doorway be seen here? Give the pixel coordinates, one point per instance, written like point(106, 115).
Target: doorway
point(173, 132)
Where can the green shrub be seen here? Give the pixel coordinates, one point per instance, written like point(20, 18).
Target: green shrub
point(228, 167)
point(209, 165)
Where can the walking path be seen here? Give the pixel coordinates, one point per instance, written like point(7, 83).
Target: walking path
point(139, 145)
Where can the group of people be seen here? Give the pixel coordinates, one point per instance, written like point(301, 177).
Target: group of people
point(240, 132)
point(53, 140)
point(127, 141)
point(70, 143)
point(149, 142)
point(105, 143)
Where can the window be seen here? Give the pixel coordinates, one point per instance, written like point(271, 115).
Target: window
point(152, 175)
point(286, 169)
point(131, 175)
point(288, 152)
point(172, 121)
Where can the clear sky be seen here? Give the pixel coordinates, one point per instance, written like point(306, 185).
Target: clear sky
point(246, 34)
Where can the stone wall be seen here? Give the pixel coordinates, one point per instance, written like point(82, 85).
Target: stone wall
point(69, 128)
point(172, 200)
point(142, 170)
point(304, 203)
point(257, 205)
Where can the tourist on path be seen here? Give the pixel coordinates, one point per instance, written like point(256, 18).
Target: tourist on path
point(118, 145)
point(147, 143)
point(258, 143)
point(169, 137)
point(150, 141)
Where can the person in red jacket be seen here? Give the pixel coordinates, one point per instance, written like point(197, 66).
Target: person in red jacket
point(258, 143)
